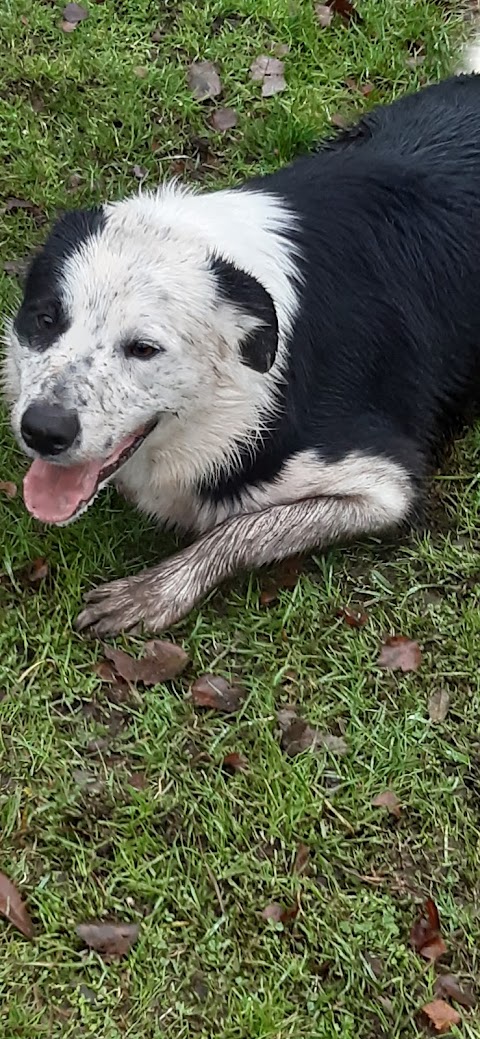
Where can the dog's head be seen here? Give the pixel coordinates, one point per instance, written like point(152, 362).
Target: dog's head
point(131, 316)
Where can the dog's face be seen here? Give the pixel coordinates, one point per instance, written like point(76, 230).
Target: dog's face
point(125, 322)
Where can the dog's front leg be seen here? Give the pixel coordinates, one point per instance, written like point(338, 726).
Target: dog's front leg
point(163, 595)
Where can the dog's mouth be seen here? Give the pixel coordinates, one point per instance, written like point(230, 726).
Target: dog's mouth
point(58, 494)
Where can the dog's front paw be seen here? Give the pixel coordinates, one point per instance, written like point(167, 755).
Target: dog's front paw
point(121, 605)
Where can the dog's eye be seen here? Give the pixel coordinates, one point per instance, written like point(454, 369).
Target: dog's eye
point(45, 321)
point(141, 351)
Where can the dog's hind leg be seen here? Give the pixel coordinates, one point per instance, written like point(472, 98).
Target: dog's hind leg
point(380, 496)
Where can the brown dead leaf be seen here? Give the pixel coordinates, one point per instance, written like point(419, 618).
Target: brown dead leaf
point(425, 934)
point(203, 80)
point(279, 914)
point(269, 72)
point(161, 661)
point(346, 9)
point(235, 762)
point(74, 13)
point(339, 121)
point(301, 858)
point(324, 15)
point(298, 736)
point(111, 941)
point(438, 705)
point(13, 908)
point(388, 799)
point(223, 119)
point(441, 1015)
point(447, 986)
point(353, 617)
point(400, 654)
point(285, 575)
point(14, 204)
point(37, 570)
point(216, 692)
point(8, 488)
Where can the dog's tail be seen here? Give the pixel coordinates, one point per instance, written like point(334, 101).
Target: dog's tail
point(470, 55)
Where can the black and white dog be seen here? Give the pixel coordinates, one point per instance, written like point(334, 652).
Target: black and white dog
point(270, 367)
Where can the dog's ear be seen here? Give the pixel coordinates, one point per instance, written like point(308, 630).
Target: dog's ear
point(247, 295)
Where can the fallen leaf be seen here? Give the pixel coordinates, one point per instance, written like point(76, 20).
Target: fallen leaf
point(324, 15)
point(13, 908)
point(438, 705)
point(203, 80)
point(162, 660)
point(235, 762)
point(346, 9)
point(68, 26)
point(139, 172)
point(269, 72)
point(14, 204)
point(273, 912)
point(75, 181)
point(74, 13)
point(353, 617)
point(301, 858)
point(214, 691)
point(425, 934)
point(111, 941)
point(298, 736)
point(285, 575)
point(37, 570)
point(223, 119)
point(138, 780)
point(8, 488)
point(388, 799)
point(339, 120)
point(140, 71)
point(447, 986)
point(278, 913)
point(441, 1015)
point(400, 654)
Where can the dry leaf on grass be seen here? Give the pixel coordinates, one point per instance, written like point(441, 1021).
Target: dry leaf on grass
point(13, 908)
point(438, 705)
point(441, 1015)
point(224, 119)
point(111, 941)
point(298, 736)
point(8, 488)
point(235, 762)
point(447, 986)
point(400, 654)
point(352, 616)
point(339, 121)
point(301, 858)
point(346, 9)
point(324, 15)
point(269, 72)
point(74, 13)
point(279, 914)
point(203, 80)
point(425, 934)
point(161, 661)
point(216, 692)
point(388, 799)
point(139, 172)
point(285, 575)
point(37, 570)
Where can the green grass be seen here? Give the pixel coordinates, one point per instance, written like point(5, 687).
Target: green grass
point(196, 854)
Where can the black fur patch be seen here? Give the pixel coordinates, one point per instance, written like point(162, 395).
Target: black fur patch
point(384, 356)
point(42, 291)
point(247, 294)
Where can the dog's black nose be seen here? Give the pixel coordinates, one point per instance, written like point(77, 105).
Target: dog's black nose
point(49, 429)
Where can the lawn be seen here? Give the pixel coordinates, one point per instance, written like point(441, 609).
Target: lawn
point(119, 807)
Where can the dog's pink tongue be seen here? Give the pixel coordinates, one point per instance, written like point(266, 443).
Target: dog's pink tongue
point(53, 494)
